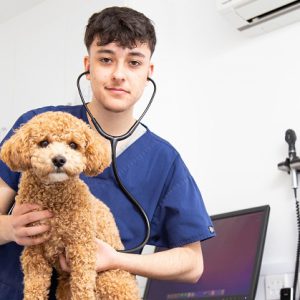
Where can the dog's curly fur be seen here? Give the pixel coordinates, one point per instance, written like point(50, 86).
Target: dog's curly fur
point(51, 150)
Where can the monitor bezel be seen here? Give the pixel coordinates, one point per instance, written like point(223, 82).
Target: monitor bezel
point(260, 247)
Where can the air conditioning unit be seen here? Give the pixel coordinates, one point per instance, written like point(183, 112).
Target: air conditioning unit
point(259, 16)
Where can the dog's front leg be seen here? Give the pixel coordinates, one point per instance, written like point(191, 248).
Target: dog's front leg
point(82, 260)
point(37, 274)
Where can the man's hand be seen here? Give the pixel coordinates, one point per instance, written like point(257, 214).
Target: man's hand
point(20, 229)
point(106, 258)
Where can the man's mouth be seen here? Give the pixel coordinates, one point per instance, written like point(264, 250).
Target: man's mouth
point(117, 90)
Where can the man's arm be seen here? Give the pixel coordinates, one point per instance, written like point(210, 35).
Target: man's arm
point(7, 196)
point(180, 263)
point(15, 227)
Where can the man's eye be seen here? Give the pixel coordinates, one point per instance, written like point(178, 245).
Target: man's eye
point(135, 63)
point(43, 144)
point(73, 145)
point(105, 60)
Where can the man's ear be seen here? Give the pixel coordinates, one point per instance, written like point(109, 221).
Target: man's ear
point(86, 62)
point(15, 151)
point(151, 69)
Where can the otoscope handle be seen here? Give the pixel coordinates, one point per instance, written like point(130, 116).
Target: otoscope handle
point(290, 138)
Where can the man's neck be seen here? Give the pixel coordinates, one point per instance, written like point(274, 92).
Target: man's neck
point(112, 123)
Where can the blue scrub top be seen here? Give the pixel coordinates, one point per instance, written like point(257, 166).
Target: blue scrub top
point(154, 173)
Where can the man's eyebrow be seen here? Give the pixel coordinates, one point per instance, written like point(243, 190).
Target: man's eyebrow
point(131, 53)
point(105, 51)
point(136, 53)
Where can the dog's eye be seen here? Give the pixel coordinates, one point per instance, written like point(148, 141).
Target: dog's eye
point(73, 145)
point(44, 144)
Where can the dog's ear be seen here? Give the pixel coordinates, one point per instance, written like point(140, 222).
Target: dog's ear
point(96, 153)
point(15, 151)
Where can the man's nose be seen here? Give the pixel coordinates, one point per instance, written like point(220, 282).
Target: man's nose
point(119, 72)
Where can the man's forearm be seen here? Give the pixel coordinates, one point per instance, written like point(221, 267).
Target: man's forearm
point(4, 229)
point(181, 264)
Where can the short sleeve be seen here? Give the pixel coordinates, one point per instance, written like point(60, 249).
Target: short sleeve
point(10, 177)
point(180, 217)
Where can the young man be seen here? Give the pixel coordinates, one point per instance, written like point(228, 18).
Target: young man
point(120, 43)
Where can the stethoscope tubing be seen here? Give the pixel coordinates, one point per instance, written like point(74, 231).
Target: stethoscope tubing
point(113, 143)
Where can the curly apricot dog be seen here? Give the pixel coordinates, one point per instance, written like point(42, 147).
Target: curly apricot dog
point(51, 150)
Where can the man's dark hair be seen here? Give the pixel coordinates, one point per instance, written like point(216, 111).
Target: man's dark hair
point(121, 25)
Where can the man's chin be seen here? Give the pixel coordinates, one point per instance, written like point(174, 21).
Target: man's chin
point(117, 105)
point(115, 108)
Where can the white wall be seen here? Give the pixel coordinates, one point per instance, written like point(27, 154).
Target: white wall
point(226, 99)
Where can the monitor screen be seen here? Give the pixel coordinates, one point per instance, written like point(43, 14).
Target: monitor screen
point(232, 260)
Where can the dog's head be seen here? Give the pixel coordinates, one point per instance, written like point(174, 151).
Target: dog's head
point(56, 146)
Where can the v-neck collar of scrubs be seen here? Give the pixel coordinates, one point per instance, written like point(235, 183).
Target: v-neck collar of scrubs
point(127, 156)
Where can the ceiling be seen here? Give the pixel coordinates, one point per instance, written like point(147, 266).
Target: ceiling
point(11, 8)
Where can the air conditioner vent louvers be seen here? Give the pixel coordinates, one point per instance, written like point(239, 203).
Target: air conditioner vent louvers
point(272, 14)
point(259, 16)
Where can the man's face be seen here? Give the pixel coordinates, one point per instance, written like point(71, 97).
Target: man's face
point(118, 75)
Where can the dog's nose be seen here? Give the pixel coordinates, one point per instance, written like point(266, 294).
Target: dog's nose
point(59, 161)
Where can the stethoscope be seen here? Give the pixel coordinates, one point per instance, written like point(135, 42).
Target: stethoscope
point(113, 143)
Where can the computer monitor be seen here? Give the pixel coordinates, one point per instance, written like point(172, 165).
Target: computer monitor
point(232, 260)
